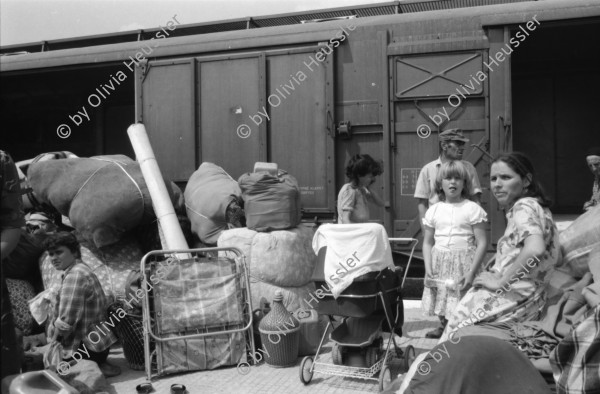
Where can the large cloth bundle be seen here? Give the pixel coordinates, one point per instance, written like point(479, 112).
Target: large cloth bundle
point(282, 258)
point(208, 194)
point(577, 241)
point(293, 297)
point(29, 200)
point(271, 202)
point(111, 264)
point(103, 196)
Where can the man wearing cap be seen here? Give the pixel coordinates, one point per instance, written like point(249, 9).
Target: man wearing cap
point(593, 161)
point(452, 146)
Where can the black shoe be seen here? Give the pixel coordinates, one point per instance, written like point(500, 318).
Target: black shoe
point(437, 333)
point(109, 370)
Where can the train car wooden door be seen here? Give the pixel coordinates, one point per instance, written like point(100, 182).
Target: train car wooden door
point(300, 129)
point(227, 91)
point(165, 92)
point(194, 112)
point(238, 109)
point(432, 91)
point(501, 139)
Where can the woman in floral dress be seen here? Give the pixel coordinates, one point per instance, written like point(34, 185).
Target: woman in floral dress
point(514, 288)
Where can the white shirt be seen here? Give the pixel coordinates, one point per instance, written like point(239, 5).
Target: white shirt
point(453, 223)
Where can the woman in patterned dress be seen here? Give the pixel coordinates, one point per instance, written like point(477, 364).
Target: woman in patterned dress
point(514, 288)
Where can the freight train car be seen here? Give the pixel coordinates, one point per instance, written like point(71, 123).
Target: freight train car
point(308, 90)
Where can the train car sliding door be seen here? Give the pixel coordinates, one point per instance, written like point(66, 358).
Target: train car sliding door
point(164, 93)
point(300, 142)
point(501, 139)
point(229, 92)
point(242, 108)
point(196, 110)
point(430, 93)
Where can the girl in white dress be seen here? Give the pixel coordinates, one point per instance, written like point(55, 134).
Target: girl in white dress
point(454, 243)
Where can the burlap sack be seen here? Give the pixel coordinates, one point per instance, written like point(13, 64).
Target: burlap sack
point(208, 193)
point(577, 241)
point(282, 258)
point(103, 197)
point(293, 297)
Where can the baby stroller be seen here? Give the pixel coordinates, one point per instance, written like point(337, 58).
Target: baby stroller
point(369, 305)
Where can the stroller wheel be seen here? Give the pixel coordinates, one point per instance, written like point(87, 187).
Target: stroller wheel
point(409, 356)
point(306, 371)
point(385, 378)
point(336, 355)
point(371, 356)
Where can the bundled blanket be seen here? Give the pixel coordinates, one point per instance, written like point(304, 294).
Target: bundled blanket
point(352, 250)
point(294, 298)
point(111, 264)
point(281, 258)
point(209, 194)
point(576, 359)
point(278, 261)
point(103, 196)
point(577, 243)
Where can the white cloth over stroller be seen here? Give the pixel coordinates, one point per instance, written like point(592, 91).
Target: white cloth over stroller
point(352, 250)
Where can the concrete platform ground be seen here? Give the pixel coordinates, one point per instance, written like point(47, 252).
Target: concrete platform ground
point(265, 379)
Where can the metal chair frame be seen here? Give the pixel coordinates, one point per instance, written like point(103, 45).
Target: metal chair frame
point(186, 254)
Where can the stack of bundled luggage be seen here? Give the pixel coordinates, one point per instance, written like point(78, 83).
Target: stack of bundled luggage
point(267, 229)
point(106, 201)
point(103, 196)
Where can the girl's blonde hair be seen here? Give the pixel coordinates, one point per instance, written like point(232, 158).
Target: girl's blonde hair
point(453, 169)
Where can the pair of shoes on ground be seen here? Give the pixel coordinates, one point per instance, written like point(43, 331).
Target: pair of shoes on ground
point(109, 370)
point(437, 333)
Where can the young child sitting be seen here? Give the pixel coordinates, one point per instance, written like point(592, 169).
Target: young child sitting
point(81, 305)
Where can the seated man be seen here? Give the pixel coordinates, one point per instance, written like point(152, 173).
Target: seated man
point(81, 306)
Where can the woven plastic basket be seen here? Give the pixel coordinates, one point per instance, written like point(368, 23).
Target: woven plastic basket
point(280, 335)
point(130, 331)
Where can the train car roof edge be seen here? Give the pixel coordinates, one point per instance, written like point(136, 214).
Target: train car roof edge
point(504, 14)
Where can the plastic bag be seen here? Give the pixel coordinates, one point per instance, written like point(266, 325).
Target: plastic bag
point(53, 355)
point(41, 304)
point(271, 202)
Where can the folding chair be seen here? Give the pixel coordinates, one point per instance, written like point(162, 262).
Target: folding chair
point(196, 310)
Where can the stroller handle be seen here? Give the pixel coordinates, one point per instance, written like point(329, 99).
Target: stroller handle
point(409, 241)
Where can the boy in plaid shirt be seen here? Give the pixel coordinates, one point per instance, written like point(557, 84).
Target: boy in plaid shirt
point(81, 306)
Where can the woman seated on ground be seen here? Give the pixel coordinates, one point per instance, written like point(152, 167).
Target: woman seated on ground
point(81, 306)
point(514, 288)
